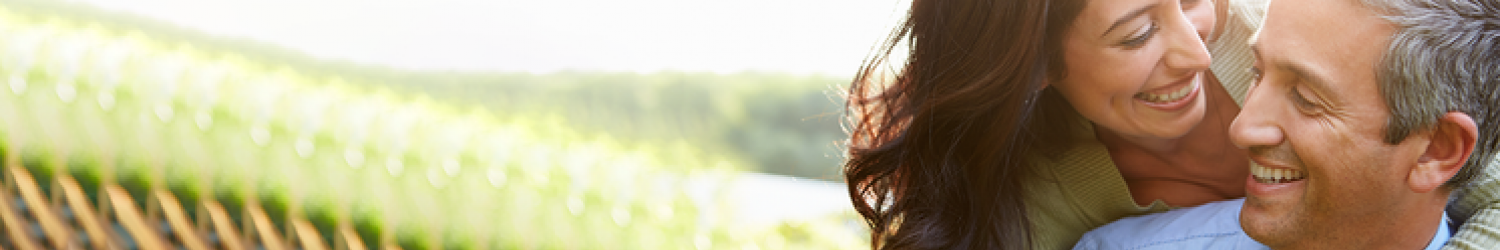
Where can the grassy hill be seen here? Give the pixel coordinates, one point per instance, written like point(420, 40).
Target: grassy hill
point(114, 108)
point(777, 123)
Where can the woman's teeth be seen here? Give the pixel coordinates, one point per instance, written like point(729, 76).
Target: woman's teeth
point(1275, 175)
point(1168, 97)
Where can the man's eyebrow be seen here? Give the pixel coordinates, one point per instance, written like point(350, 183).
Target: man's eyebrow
point(1301, 71)
point(1128, 16)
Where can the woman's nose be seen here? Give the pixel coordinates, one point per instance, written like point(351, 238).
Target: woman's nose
point(1186, 49)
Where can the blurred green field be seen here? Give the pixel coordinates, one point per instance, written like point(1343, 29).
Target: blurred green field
point(776, 122)
point(570, 160)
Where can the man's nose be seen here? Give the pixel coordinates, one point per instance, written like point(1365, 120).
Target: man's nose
point(1256, 124)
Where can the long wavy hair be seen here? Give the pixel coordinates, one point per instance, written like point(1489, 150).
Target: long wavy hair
point(937, 153)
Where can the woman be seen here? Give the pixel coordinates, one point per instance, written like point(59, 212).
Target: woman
point(1023, 124)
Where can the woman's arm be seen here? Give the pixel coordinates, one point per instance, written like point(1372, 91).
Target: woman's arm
point(1477, 208)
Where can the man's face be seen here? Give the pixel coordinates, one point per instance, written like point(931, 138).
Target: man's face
point(1314, 123)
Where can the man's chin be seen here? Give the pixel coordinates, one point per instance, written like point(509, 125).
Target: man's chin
point(1254, 224)
point(1267, 215)
point(1269, 223)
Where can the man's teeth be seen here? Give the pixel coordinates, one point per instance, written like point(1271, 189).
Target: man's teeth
point(1168, 97)
point(1275, 175)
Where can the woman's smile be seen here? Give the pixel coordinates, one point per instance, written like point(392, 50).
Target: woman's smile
point(1174, 97)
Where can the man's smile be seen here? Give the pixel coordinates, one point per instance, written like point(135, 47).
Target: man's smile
point(1269, 175)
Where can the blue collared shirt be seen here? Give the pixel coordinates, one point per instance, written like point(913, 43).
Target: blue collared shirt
point(1210, 226)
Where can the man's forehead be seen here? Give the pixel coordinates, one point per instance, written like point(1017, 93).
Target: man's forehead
point(1322, 33)
point(1293, 23)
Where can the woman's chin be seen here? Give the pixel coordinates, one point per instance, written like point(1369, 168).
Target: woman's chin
point(1171, 127)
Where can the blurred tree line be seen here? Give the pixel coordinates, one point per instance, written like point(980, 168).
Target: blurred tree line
point(782, 123)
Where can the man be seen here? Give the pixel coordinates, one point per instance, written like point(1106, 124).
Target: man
point(1366, 115)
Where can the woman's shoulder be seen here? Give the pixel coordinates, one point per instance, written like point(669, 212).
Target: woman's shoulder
point(1252, 11)
point(1075, 192)
point(1231, 47)
point(1477, 203)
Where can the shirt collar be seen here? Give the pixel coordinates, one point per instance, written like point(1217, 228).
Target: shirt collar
point(1441, 237)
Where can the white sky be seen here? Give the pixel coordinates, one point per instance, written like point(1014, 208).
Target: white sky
point(828, 37)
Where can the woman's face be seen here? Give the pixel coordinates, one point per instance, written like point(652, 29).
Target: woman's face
point(1135, 67)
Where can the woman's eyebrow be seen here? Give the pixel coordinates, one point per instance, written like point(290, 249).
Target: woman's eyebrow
point(1128, 16)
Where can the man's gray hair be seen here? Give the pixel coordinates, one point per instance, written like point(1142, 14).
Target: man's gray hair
point(1444, 56)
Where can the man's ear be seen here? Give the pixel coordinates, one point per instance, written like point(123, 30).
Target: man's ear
point(1452, 142)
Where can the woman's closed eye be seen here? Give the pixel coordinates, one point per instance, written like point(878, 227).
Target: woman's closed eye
point(1139, 38)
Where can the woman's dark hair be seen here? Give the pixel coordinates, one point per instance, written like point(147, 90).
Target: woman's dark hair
point(938, 153)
